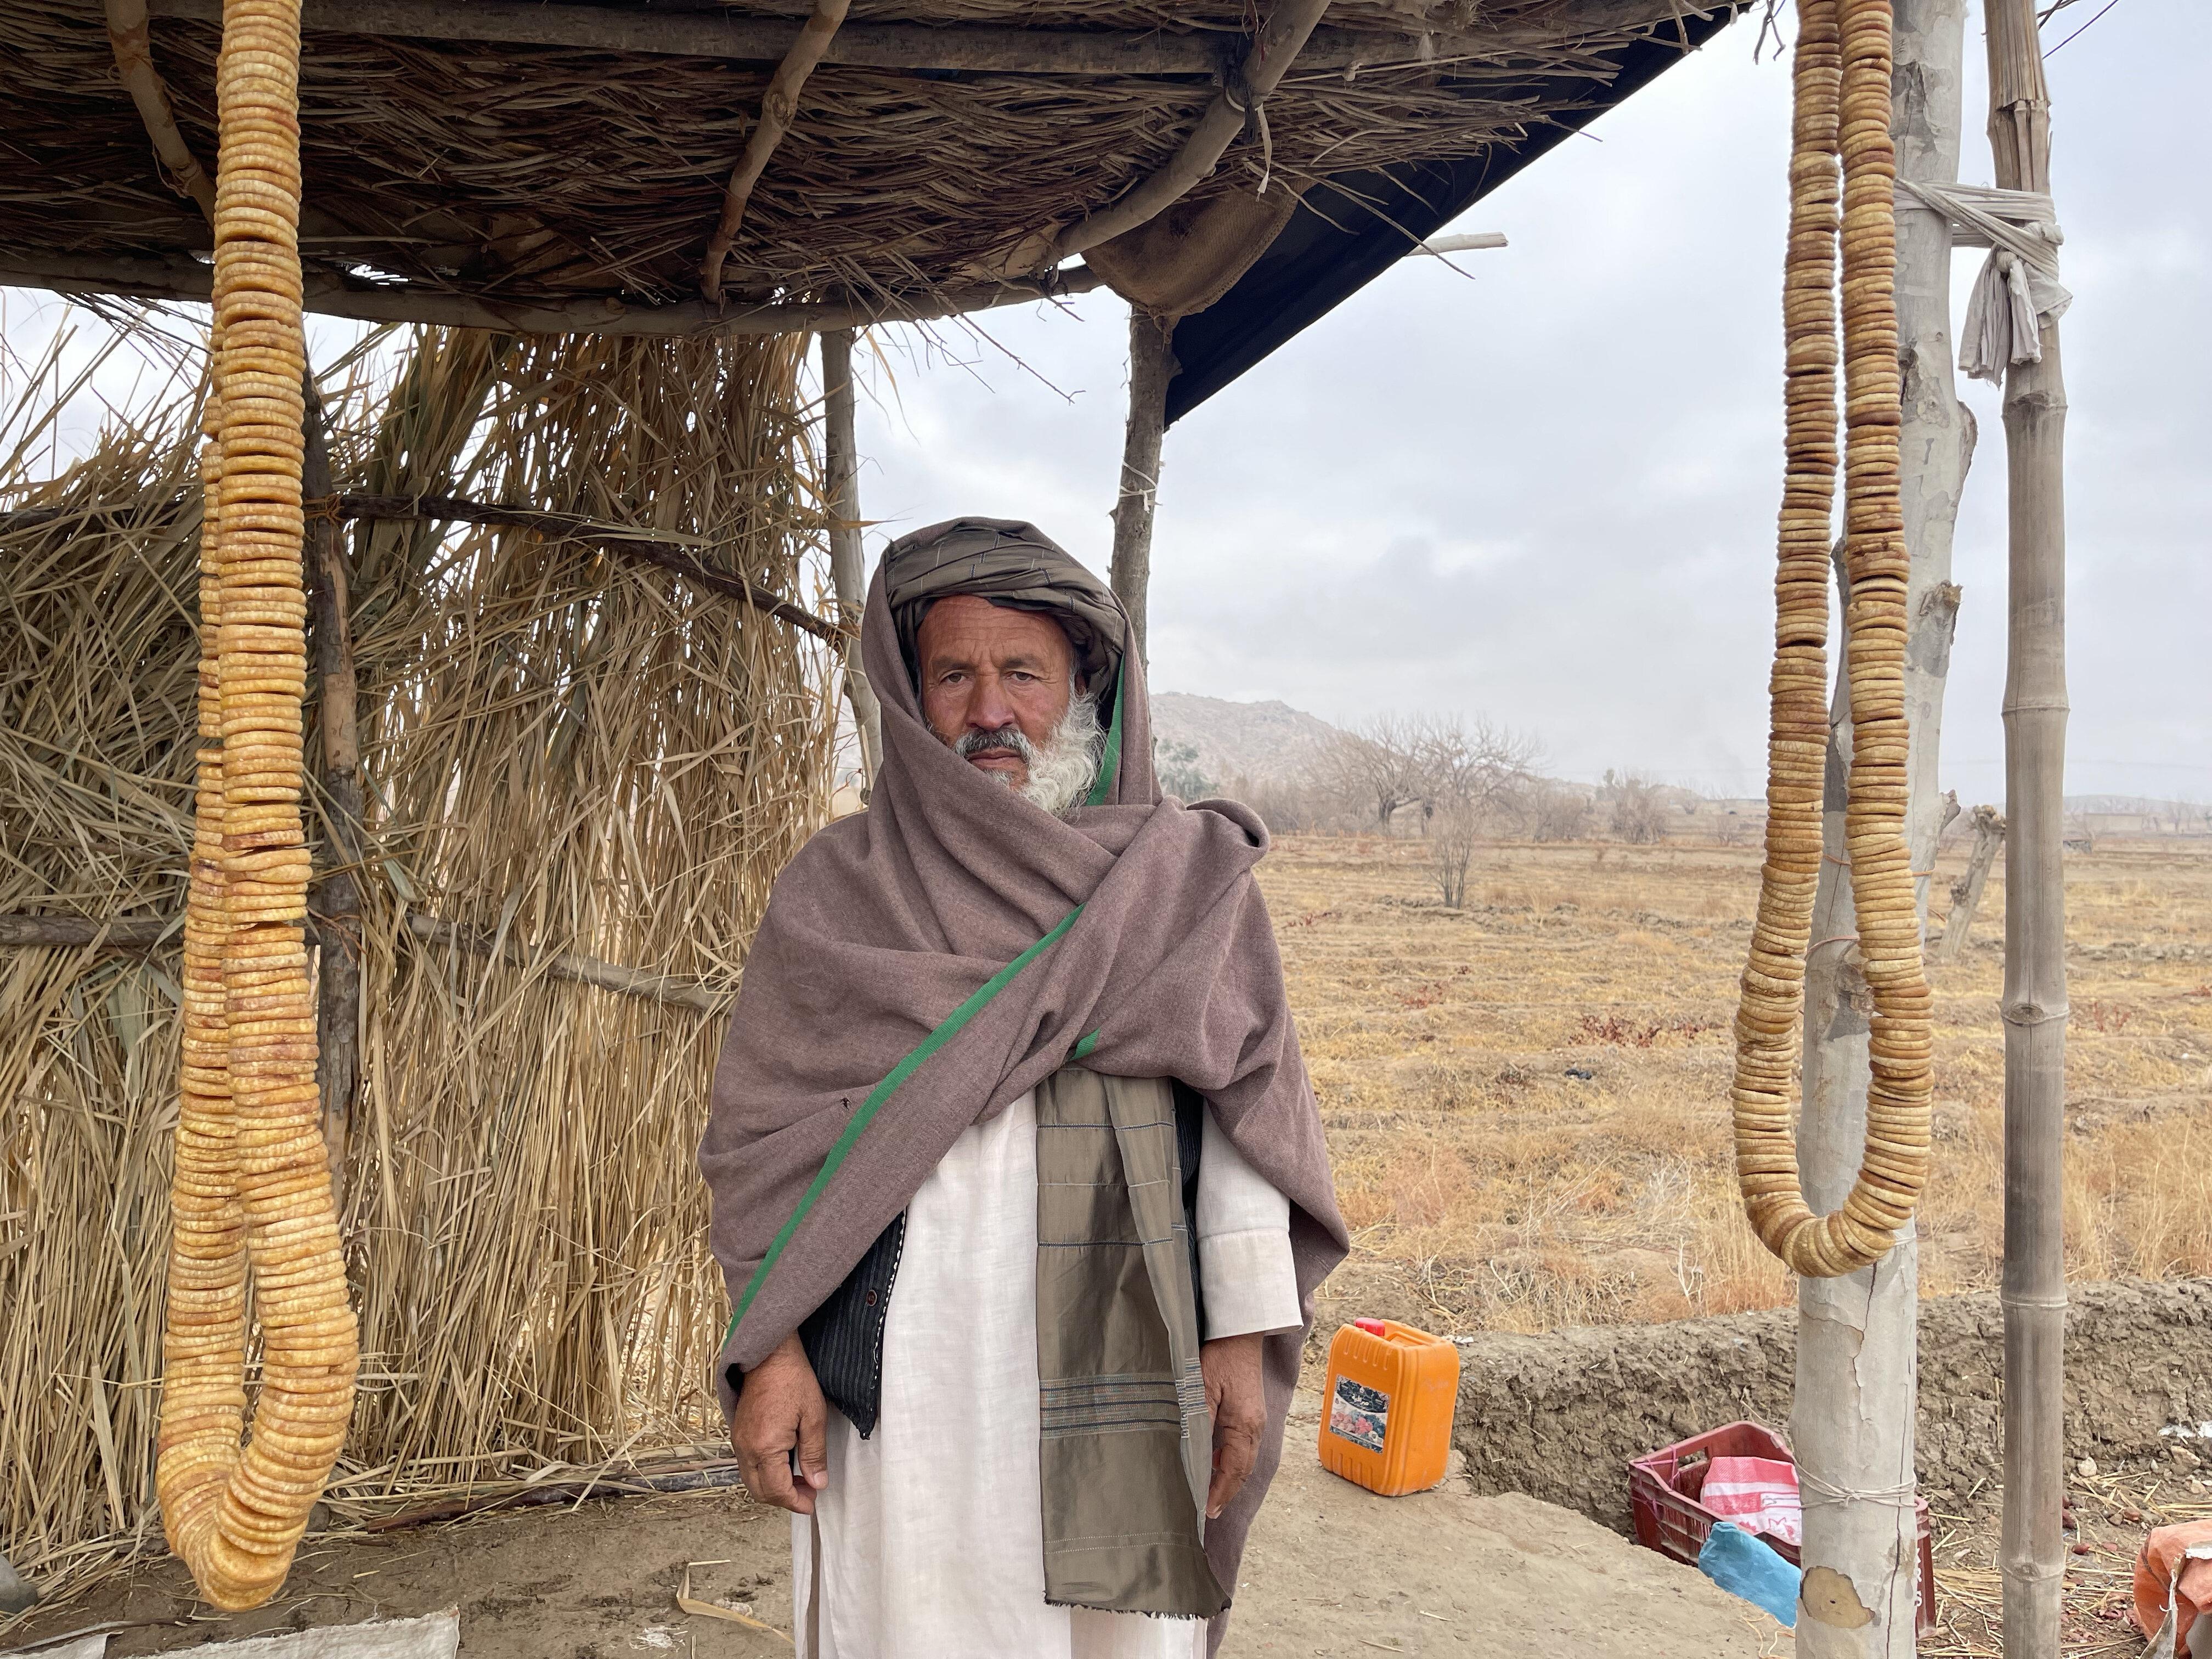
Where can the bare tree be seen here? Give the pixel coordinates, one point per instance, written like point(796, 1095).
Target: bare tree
point(1639, 812)
point(1988, 826)
point(1557, 812)
point(1471, 773)
point(1375, 768)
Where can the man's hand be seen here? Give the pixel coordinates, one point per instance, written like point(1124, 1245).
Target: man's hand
point(1237, 1395)
point(780, 1411)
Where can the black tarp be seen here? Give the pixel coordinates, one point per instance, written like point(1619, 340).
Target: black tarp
point(1352, 228)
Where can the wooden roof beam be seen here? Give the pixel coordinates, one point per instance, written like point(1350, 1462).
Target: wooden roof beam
point(922, 46)
point(177, 277)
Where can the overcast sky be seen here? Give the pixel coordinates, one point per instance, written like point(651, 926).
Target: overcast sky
point(1543, 491)
point(1546, 495)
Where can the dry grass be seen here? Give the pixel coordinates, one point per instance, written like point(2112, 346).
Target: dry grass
point(1487, 1188)
point(571, 750)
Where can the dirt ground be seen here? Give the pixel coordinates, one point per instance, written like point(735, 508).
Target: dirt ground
point(1526, 1098)
point(1330, 1569)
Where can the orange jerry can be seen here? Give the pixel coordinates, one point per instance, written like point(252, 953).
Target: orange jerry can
point(1386, 1411)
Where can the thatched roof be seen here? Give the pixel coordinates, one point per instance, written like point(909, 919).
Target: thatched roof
point(557, 165)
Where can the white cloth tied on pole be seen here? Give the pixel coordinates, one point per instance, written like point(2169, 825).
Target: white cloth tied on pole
point(2019, 287)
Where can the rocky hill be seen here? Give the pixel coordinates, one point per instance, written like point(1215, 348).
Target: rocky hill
point(1257, 742)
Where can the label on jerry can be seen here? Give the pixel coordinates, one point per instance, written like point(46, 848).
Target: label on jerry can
point(1359, 1413)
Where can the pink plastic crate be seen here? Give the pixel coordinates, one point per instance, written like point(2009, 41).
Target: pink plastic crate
point(1662, 1496)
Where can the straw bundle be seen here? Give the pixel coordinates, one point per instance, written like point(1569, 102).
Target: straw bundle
point(573, 752)
point(98, 674)
point(1842, 83)
point(576, 755)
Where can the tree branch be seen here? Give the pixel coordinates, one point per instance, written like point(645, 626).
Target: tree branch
point(132, 40)
point(570, 527)
point(1277, 43)
point(778, 104)
point(147, 933)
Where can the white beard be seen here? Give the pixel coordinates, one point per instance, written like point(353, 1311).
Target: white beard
point(1064, 767)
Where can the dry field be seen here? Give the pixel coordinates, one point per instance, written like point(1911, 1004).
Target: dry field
point(1487, 1186)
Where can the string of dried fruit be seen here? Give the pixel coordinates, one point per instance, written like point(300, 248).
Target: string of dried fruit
point(1842, 86)
point(253, 1181)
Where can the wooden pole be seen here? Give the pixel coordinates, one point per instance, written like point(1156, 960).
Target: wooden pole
point(1151, 366)
point(333, 293)
point(336, 902)
point(2031, 1553)
point(848, 573)
point(1852, 1420)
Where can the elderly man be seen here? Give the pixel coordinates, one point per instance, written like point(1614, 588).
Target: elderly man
point(1017, 1179)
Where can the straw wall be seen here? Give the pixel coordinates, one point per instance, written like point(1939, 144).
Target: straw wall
point(571, 752)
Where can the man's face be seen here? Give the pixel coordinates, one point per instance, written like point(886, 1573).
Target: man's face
point(986, 668)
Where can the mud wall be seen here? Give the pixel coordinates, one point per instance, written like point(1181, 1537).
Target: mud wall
point(1560, 1416)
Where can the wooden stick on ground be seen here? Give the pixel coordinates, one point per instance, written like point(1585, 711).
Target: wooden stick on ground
point(1151, 366)
point(846, 573)
point(1967, 891)
point(129, 34)
point(1273, 50)
point(2031, 1552)
point(778, 106)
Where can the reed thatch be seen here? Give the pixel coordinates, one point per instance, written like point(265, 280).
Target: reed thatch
point(531, 174)
point(568, 755)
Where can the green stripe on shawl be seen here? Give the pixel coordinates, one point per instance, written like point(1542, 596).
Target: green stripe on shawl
point(906, 1068)
point(1109, 766)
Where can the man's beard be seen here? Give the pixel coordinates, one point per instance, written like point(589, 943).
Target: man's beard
point(1062, 768)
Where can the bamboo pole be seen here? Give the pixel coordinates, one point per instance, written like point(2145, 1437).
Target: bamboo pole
point(2031, 1552)
point(336, 903)
point(1852, 1420)
point(1151, 366)
point(847, 574)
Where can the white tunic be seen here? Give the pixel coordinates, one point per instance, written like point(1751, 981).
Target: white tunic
point(932, 1544)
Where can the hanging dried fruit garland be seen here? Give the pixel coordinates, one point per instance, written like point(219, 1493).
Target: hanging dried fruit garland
point(1842, 74)
point(253, 1181)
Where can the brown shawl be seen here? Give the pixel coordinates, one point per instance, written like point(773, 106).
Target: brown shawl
point(924, 963)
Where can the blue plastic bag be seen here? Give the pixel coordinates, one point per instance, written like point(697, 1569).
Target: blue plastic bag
point(1742, 1564)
